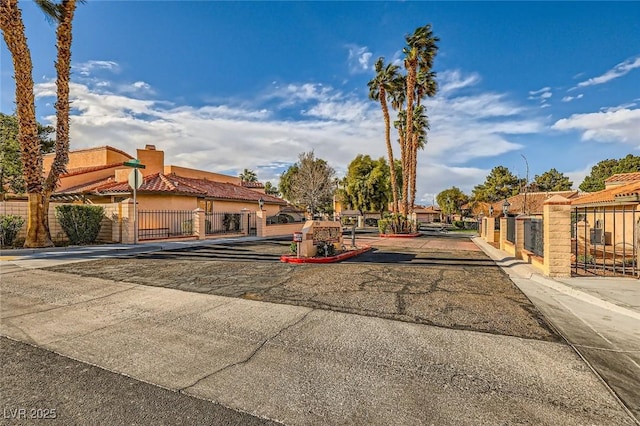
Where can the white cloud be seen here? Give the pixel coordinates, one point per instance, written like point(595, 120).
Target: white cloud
point(225, 137)
point(571, 98)
point(619, 70)
point(577, 176)
point(86, 68)
point(450, 81)
point(611, 125)
point(540, 91)
point(541, 95)
point(359, 59)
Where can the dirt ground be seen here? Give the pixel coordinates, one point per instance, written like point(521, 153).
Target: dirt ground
point(437, 280)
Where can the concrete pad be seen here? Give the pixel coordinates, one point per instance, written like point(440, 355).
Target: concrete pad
point(305, 366)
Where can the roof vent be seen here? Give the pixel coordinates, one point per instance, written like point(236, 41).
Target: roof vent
point(150, 147)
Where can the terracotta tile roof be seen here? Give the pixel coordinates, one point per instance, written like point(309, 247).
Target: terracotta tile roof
point(174, 184)
point(534, 203)
point(252, 184)
point(154, 183)
point(608, 196)
point(87, 187)
point(81, 170)
point(623, 178)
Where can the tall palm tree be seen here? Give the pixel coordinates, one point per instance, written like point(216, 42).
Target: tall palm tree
point(248, 176)
point(420, 127)
point(378, 87)
point(14, 35)
point(39, 190)
point(419, 54)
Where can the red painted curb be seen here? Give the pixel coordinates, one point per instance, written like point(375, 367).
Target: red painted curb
point(414, 235)
point(289, 258)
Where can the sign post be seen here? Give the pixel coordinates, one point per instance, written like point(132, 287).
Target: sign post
point(297, 238)
point(135, 182)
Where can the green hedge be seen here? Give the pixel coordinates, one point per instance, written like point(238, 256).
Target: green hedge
point(81, 223)
point(9, 227)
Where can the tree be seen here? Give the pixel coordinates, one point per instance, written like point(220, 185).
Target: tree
point(499, 184)
point(607, 168)
point(270, 189)
point(248, 176)
point(551, 180)
point(38, 188)
point(309, 183)
point(367, 185)
point(382, 83)
point(11, 179)
point(451, 200)
point(419, 52)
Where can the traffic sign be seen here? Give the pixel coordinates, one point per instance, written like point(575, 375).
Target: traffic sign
point(135, 179)
point(135, 163)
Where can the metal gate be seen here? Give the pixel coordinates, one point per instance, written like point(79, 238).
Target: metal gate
point(252, 225)
point(604, 241)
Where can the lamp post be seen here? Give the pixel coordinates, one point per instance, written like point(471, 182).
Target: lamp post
point(505, 207)
point(261, 204)
point(491, 211)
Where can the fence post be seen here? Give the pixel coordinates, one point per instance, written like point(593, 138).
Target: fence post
point(503, 232)
point(490, 230)
point(557, 237)
point(127, 221)
point(199, 224)
point(261, 223)
point(520, 235)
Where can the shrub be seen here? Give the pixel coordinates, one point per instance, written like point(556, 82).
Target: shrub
point(293, 247)
point(325, 249)
point(9, 227)
point(458, 224)
point(81, 223)
point(383, 224)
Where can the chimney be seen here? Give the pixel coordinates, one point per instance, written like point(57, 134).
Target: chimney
point(153, 160)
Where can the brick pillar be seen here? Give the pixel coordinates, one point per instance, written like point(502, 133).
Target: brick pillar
point(261, 223)
point(520, 235)
point(127, 221)
point(503, 232)
point(199, 224)
point(557, 237)
point(489, 230)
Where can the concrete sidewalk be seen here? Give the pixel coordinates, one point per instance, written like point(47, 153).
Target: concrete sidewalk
point(621, 295)
point(598, 317)
point(303, 366)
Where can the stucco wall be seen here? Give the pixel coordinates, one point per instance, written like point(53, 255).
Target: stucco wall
point(166, 202)
point(200, 174)
point(19, 208)
point(283, 229)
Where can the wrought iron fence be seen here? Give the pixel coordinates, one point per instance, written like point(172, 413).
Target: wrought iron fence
point(511, 229)
point(605, 241)
point(533, 236)
point(158, 224)
point(496, 222)
point(226, 223)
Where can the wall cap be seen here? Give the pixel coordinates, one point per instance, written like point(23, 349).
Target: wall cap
point(557, 200)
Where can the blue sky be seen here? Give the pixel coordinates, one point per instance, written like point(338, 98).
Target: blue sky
point(225, 86)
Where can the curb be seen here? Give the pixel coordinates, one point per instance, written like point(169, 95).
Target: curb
point(287, 258)
point(414, 235)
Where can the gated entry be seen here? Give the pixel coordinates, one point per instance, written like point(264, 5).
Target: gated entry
point(605, 241)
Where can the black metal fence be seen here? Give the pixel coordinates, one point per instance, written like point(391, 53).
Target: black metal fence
point(158, 224)
point(224, 223)
point(511, 229)
point(605, 241)
point(533, 236)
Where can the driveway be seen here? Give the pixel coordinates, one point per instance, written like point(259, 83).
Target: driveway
point(316, 344)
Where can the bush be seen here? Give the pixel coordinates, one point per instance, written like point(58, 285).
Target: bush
point(9, 227)
point(325, 249)
point(383, 224)
point(458, 224)
point(81, 223)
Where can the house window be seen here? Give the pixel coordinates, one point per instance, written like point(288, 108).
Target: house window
point(208, 206)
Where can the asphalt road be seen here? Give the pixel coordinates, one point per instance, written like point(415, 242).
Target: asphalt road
point(41, 386)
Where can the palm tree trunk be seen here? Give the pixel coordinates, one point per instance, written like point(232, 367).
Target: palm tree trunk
point(387, 134)
point(14, 36)
point(414, 171)
point(411, 65)
point(63, 71)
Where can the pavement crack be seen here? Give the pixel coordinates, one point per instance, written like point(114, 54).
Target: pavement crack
point(68, 305)
point(252, 354)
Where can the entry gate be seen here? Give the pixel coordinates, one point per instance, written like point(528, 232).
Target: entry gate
point(604, 241)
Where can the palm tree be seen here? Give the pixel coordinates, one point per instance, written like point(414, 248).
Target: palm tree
point(378, 87)
point(14, 35)
point(419, 54)
point(39, 190)
point(248, 176)
point(420, 127)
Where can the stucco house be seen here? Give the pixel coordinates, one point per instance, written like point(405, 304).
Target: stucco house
point(99, 176)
